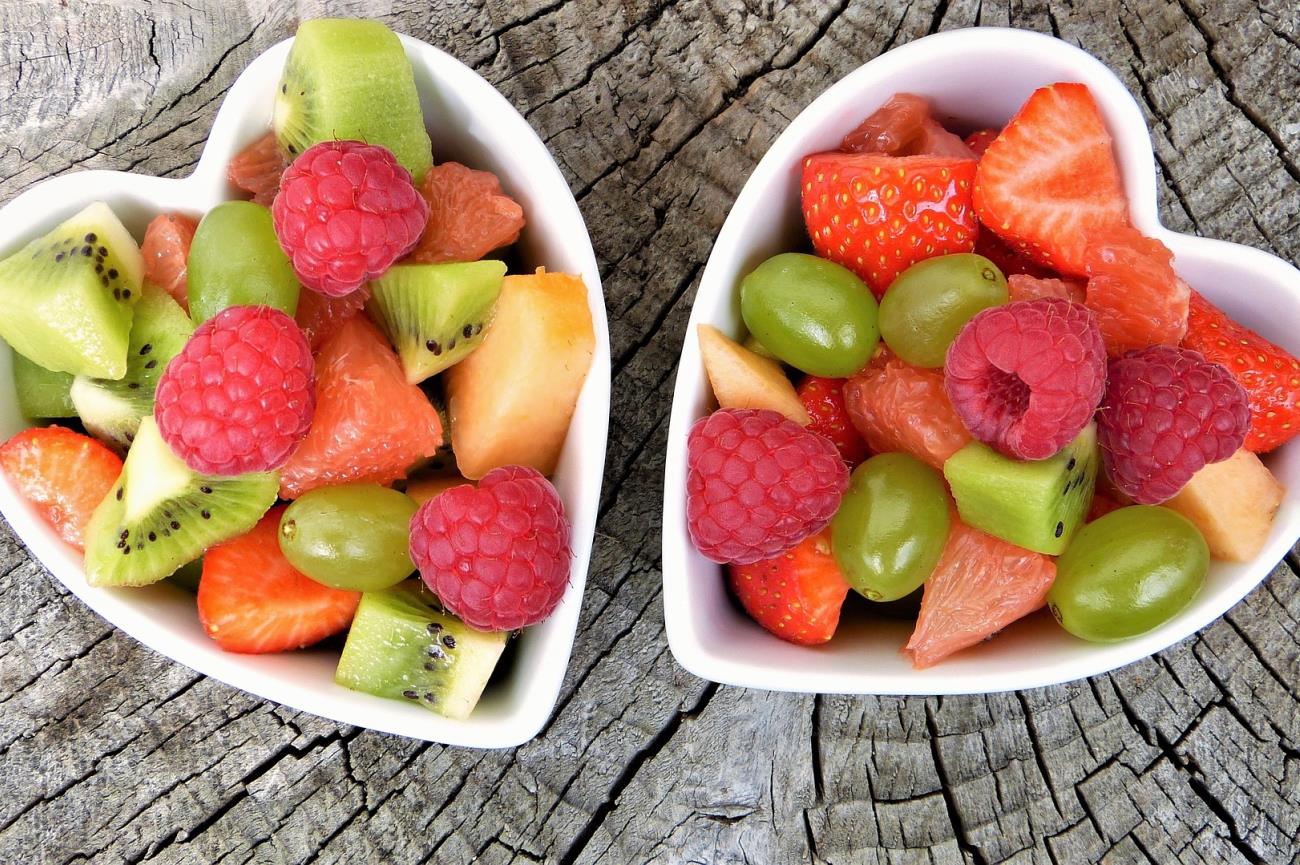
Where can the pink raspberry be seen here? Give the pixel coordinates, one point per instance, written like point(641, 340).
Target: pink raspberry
point(497, 556)
point(1168, 411)
point(757, 484)
point(344, 213)
point(240, 395)
point(1025, 378)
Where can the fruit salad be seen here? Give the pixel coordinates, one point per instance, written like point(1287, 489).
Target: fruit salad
point(325, 407)
point(980, 391)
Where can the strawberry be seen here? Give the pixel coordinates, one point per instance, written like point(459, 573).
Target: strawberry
point(1049, 181)
point(1008, 260)
point(824, 400)
point(878, 215)
point(797, 595)
point(980, 140)
point(65, 475)
point(1269, 373)
point(252, 600)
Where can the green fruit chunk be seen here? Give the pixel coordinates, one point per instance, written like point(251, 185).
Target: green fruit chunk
point(932, 300)
point(1128, 572)
point(66, 298)
point(811, 313)
point(402, 646)
point(1035, 504)
point(352, 537)
point(435, 314)
point(187, 576)
point(161, 515)
point(42, 393)
point(235, 259)
point(350, 79)
point(890, 529)
point(112, 410)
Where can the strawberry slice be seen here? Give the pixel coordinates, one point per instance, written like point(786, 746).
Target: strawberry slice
point(251, 600)
point(1008, 260)
point(65, 475)
point(878, 215)
point(798, 595)
point(1049, 181)
point(980, 140)
point(1269, 373)
point(257, 169)
point(823, 398)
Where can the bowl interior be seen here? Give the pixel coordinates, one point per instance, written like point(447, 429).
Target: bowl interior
point(975, 78)
point(469, 121)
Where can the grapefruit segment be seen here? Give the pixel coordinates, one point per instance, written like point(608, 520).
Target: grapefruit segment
point(469, 215)
point(1133, 291)
point(257, 168)
point(320, 317)
point(166, 249)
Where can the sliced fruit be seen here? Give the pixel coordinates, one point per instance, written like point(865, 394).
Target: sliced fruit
point(252, 600)
point(469, 215)
point(898, 407)
point(979, 140)
point(160, 515)
point(257, 169)
point(369, 425)
point(1022, 286)
point(1233, 504)
point(320, 317)
point(890, 129)
point(65, 475)
point(742, 379)
point(1102, 504)
point(798, 595)
point(511, 400)
point(166, 249)
point(823, 398)
point(435, 314)
point(402, 646)
point(1133, 291)
point(236, 260)
point(1048, 184)
point(981, 585)
point(352, 536)
point(66, 298)
point(42, 393)
point(1008, 260)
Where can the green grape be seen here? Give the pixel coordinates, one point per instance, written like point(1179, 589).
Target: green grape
point(932, 300)
point(1128, 572)
point(236, 259)
point(811, 313)
point(890, 529)
point(350, 537)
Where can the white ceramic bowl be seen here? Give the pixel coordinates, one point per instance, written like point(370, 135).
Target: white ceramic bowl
point(977, 77)
point(471, 122)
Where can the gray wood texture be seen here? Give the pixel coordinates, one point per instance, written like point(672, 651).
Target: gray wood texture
point(656, 112)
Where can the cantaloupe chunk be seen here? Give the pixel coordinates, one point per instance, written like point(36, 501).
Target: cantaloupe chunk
point(744, 379)
point(511, 401)
point(423, 489)
point(1233, 503)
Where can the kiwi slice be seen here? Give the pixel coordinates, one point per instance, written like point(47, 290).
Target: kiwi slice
point(435, 314)
point(42, 393)
point(66, 298)
point(350, 79)
point(236, 259)
point(1037, 505)
point(401, 645)
point(161, 515)
point(111, 410)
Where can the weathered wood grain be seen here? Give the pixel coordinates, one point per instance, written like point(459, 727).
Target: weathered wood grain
point(656, 111)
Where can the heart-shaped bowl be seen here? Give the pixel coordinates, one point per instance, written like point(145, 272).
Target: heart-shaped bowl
point(470, 122)
point(977, 78)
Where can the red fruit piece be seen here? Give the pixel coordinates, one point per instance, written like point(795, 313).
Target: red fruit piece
point(891, 128)
point(1008, 260)
point(1134, 292)
point(935, 140)
point(63, 474)
point(1168, 412)
point(898, 407)
point(878, 215)
point(320, 317)
point(166, 250)
point(1269, 373)
point(469, 215)
point(258, 168)
point(345, 212)
point(1102, 504)
point(824, 400)
point(238, 398)
point(251, 600)
point(1048, 183)
point(1021, 286)
point(980, 140)
point(797, 595)
point(370, 425)
point(496, 556)
point(981, 585)
point(757, 484)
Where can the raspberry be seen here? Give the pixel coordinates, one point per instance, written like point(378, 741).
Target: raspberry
point(496, 556)
point(345, 212)
point(1168, 411)
point(1025, 378)
point(757, 484)
point(240, 395)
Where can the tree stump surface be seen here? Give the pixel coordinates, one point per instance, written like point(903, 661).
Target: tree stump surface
point(656, 112)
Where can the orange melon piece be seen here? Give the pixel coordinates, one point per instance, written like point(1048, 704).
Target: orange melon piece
point(435, 485)
point(743, 379)
point(1233, 503)
point(511, 400)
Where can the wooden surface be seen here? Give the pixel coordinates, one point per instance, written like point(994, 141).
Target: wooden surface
point(656, 112)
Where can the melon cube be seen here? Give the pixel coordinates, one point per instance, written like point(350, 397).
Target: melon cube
point(743, 379)
point(1233, 503)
